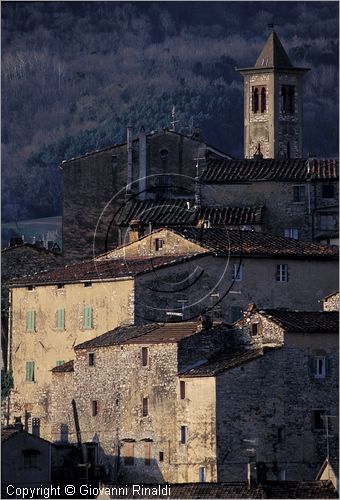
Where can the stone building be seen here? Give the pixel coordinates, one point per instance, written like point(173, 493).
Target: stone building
point(166, 275)
point(184, 402)
point(97, 185)
point(139, 218)
point(26, 461)
point(300, 197)
point(273, 105)
point(331, 302)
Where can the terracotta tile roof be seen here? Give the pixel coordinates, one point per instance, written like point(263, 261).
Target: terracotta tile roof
point(176, 212)
point(223, 361)
point(66, 367)
point(255, 244)
point(299, 489)
point(153, 333)
point(304, 321)
point(101, 270)
point(272, 489)
point(293, 170)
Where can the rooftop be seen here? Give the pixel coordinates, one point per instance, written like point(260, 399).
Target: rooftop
point(64, 368)
point(176, 212)
point(272, 489)
point(293, 170)
point(152, 333)
point(234, 242)
point(223, 361)
point(105, 269)
point(304, 321)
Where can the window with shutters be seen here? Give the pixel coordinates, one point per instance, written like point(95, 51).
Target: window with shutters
point(88, 318)
point(128, 453)
point(147, 453)
point(282, 272)
point(60, 316)
point(60, 362)
point(145, 407)
point(30, 321)
point(30, 377)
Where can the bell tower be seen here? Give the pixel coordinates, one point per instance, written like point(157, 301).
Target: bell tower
point(273, 104)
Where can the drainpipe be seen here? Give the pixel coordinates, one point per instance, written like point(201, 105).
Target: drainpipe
point(129, 158)
point(9, 347)
point(142, 164)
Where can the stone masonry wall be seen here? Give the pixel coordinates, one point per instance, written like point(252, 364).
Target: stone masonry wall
point(265, 411)
point(331, 303)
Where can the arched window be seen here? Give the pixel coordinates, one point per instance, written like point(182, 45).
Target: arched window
point(255, 99)
point(291, 107)
point(263, 100)
point(284, 99)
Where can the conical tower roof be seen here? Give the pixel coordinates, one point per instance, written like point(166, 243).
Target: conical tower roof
point(273, 54)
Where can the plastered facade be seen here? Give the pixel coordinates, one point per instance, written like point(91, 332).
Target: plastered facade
point(112, 305)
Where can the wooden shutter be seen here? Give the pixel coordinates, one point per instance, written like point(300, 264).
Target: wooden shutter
point(61, 319)
point(30, 321)
point(88, 317)
point(30, 371)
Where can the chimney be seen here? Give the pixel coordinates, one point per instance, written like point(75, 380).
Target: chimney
point(129, 158)
point(18, 424)
point(142, 164)
point(16, 241)
point(136, 230)
point(206, 322)
point(196, 133)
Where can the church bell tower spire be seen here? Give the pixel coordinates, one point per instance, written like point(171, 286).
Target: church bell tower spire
point(273, 104)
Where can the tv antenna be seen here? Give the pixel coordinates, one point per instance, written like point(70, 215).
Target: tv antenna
point(173, 119)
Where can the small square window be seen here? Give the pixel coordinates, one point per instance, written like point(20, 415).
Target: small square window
point(182, 389)
point(31, 287)
point(328, 191)
point(145, 407)
point(60, 285)
point(60, 362)
point(282, 272)
point(145, 356)
point(159, 243)
point(94, 408)
point(91, 359)
point(299, 194)
point(87, 283)
point(31, 458)
point(291, 233)
point(184, 434)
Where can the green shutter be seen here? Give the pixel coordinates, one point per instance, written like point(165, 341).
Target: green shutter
point(61, 319)
point(60, 362)
point(88, 317)
point(30, 321)
point(30, 371)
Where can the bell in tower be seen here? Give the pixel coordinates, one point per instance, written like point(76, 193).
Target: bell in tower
point(273, 102)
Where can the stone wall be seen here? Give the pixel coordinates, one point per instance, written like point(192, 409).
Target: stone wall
point(331, 303)
point(265, 411)
point(94, 188)
point(281, 212)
